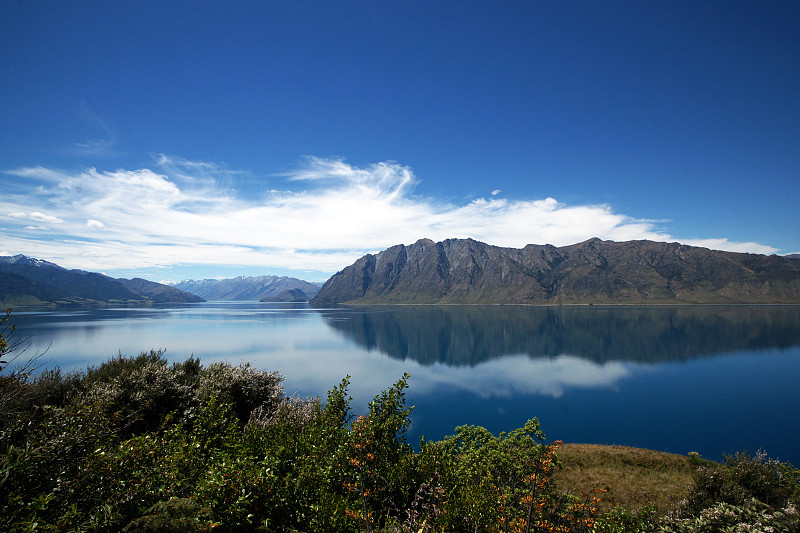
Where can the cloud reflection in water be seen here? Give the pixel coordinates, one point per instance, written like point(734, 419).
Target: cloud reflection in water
point(519, 374)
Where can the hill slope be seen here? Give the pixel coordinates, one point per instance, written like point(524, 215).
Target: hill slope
point(29, 281)
point(19, 290)
point(158, 292)
point(291, 295)
point(594, 271)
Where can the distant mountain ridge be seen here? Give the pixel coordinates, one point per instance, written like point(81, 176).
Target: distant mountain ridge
point(465, 271)
point(291, 295)
point(246, 287)
point(29, 281)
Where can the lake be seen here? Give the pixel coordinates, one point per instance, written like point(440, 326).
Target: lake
point(710, 379)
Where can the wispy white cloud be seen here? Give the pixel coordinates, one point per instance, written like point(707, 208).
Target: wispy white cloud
point(101, 146)
point(41, 217)
point(37, 216)
point(319, 217)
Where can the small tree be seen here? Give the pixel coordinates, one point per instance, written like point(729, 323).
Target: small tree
point(8, 343)
point(15, 378)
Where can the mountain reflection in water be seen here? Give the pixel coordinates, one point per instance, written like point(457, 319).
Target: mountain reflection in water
point(471, 335)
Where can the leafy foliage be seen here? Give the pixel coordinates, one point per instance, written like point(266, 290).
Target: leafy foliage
point(244, 388)
point(15, 370)
point(747, 493)
point(741, 479)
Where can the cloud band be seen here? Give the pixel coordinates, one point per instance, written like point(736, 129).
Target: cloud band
point(320, 217)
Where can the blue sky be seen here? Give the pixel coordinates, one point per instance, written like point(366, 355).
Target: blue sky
point(174, 140)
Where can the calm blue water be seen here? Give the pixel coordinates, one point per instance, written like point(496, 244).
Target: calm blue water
point(715, 379)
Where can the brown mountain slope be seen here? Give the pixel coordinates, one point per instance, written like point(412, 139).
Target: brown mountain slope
point(594, 271)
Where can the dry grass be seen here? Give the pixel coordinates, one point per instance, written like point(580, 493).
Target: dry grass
point(633, 477)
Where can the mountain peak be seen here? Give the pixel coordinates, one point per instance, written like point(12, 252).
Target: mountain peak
point(20, 259)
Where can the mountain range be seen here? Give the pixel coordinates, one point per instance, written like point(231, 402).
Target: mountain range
point(465, 271)
point(454, 271)
point(28, 281)
point(263, 288)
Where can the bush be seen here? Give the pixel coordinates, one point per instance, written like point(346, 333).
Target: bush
point(142, 390)
point(17, 393)
point(376, 457)
point(747, 493)
point(751, 515)
point(51, 457)
point(711, 485)
point(620, 520)
point(176, 516)
point(740, 479)
point(243, 387)
point(762, 478)
point(490, 473)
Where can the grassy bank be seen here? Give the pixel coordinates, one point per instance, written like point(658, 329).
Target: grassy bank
point(632, 477)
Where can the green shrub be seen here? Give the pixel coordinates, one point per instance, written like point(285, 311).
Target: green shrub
point(762, 478)
point(742, 478)
point(486, 477)
point(295, 447)
point(376, 457)
point(182, 515)
point(52, 455)
point(120, 366)
point(143, 390)
point(792, 476)
point(711, 485)
point(750, 515)
point(17, 392)
point(620, 520)
point(55, 388)
point(243, 387)
point(236, 489)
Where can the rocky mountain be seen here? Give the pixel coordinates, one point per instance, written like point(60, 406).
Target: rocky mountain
point(291, 295)
point(466, 271)
point(246, 287)
point(28, 281)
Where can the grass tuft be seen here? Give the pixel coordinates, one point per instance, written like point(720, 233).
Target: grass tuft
point(632, 477)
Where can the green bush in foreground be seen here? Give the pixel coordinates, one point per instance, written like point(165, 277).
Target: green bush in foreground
point(138, 445)
point(747, 493)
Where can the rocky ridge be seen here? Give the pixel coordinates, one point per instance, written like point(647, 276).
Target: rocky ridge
point(465, 271)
